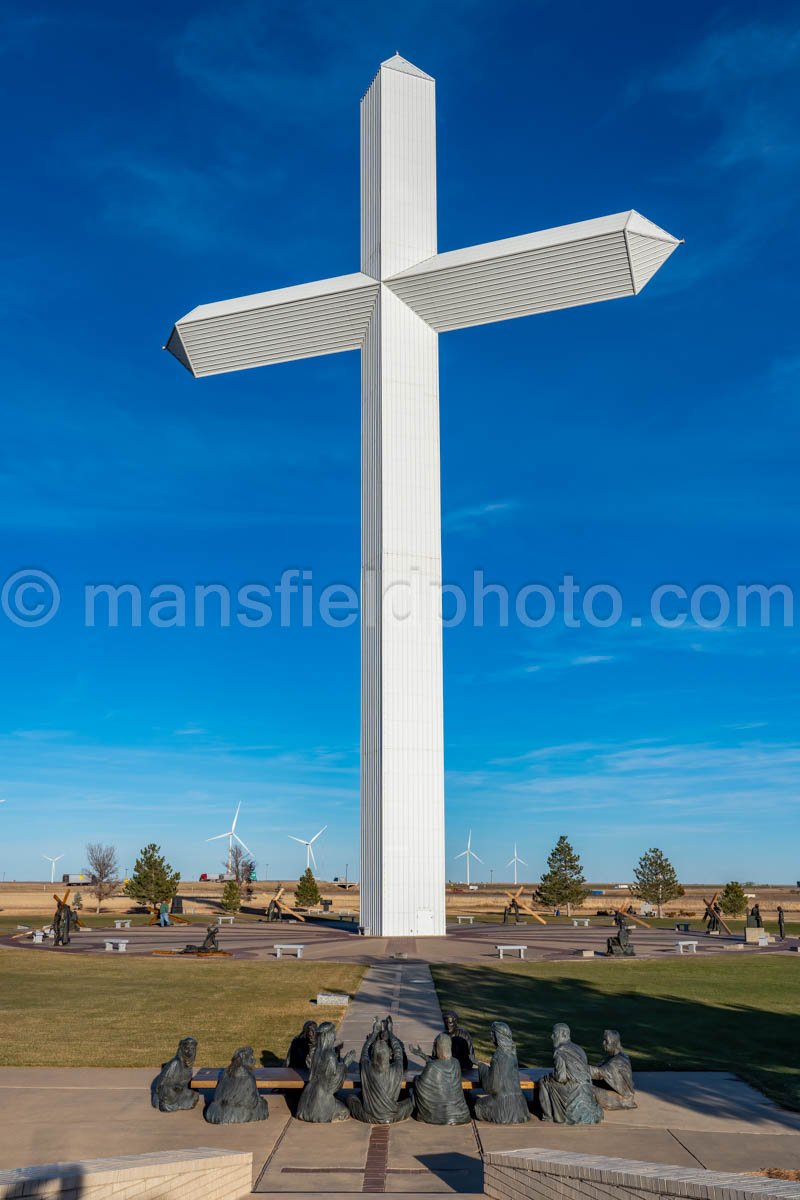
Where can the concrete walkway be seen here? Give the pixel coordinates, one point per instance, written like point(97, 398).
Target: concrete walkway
point(402, 990)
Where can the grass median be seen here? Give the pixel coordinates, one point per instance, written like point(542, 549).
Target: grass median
point(80, 1011)
point(704, 1014)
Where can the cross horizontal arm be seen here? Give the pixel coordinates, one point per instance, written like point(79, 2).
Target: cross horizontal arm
point(269, 327)
point(600, 259)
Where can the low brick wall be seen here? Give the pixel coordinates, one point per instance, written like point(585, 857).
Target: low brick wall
point(558, 1175)
point(200, 1174)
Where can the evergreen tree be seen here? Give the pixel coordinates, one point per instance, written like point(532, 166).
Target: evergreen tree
point(153, 879)
point(232, 896)
point(656, 879)
point(306, 894)
point(732, 899)
point(562, 883)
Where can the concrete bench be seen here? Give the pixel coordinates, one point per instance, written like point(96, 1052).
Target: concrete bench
point(584, 921)
point(298, 948)
point(225, 920)
point(687, 947)
point(501, 950)
point(585, 953)
point(38, 936)
point(200, 1174)
point(469, 920)
point(682, 927)
point(122, 924)
point(118, 944)
point(286, 1079)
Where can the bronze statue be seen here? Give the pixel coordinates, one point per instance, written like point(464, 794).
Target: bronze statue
point(504, 1103)
point(63, 921)
point(754, 920)
point(236, 1100)
point(301, 1048)
point(614, 1075)
point(209, 945)
point(713, 915)
point(382, 1076)
point(437, 1093)
point(567, 1096)
point(462, 1048)
point(512, 908)
point(318, 1101)
point(621, 944)
point(170, 1091)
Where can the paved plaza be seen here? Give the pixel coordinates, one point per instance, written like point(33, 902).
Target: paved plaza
point(464, 943)
point(708, 1119)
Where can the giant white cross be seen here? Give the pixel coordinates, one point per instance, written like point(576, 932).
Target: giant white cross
point(393, 311)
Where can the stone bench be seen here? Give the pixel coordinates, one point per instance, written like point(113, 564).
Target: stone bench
point(200, 1174)
point(118, 944)
point(584, 921)
point(686, 947)
point(122, 924)
point(225, 920)
point(553, 1174)
point(38, 936)
point(298, 948)
point(469, 920)
point(286, 1079)
point(501, 950)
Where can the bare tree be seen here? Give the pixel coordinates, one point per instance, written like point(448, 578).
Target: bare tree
point(104, 868)
point(242, 865)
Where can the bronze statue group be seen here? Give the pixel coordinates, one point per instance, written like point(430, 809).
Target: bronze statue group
point(574, 1093)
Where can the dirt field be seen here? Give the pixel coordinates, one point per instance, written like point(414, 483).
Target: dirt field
point(202, 900)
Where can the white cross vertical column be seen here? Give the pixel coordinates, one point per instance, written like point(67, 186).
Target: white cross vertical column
point(402, 753)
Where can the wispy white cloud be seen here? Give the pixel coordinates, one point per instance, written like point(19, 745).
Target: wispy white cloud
point(475, 517)
point(742, 79)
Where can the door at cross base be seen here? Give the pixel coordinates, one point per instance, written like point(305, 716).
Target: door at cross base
point(425, 927)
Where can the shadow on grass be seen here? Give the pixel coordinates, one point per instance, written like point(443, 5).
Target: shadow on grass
point(689, 1032)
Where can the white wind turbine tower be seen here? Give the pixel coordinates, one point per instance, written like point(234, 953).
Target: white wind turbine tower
point(468, 854)
point(231, 835)
point(515, 860)
point(309, 846)
point(52, 862)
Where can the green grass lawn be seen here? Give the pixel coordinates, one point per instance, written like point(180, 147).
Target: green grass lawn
point(81, 1011)
point(703, 1014)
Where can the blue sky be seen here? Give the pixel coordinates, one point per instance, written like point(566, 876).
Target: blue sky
point(166, 157)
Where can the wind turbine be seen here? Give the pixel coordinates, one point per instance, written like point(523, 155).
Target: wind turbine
point(309, 846)
point(516, 859)
point(468, 854)
point(52, 862)
point(231, 835)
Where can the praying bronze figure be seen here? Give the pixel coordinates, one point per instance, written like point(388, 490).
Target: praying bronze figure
point(236, 1100)
point(504, 1103)
point(170, 1091)
point(613, 1076)
point(567, 1095)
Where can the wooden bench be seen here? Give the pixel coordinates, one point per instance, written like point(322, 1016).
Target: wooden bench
point(501, 950)
point(286, 1079)
point(469, 920)
point(118, 944)
point(687, 947)
point(123, 924)
point(584, 921)
point(298, 948)
point(225, 920)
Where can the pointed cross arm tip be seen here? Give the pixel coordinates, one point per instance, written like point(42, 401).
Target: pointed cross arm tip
point(570, 265)
point(310, 319)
